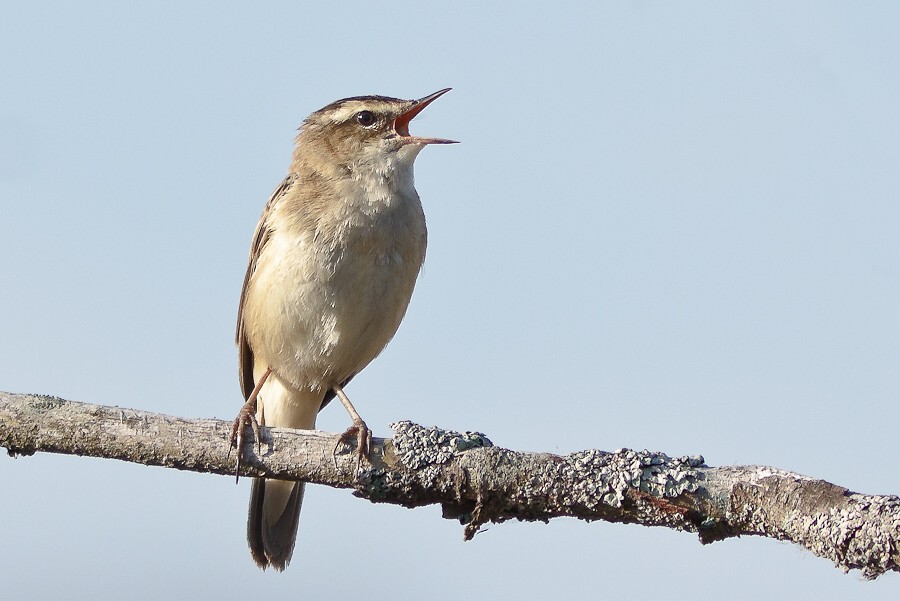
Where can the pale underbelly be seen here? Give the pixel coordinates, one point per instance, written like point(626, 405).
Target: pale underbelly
point(316, 328)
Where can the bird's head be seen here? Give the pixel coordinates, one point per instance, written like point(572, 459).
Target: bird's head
point(365, 130)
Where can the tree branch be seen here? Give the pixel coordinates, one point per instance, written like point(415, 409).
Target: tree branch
point(478, 483)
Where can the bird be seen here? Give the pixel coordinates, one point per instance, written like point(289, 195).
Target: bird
point(333, 263)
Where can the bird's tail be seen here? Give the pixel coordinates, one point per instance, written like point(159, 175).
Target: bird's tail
point(272, 521)
point(275, 504)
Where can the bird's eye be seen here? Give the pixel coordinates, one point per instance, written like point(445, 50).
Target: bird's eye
point(365, 118)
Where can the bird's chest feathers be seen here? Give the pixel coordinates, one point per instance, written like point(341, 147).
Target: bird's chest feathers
point(378, 221)
point(337, 288)
point(365, 243)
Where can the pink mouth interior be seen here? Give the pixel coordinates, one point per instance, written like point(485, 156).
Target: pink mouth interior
point(401, 124)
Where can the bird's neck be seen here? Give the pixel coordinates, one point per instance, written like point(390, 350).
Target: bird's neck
point(372, 183)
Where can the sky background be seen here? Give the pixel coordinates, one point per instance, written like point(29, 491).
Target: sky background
point(670, 226)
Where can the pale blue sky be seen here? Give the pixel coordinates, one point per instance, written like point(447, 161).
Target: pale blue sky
point(668, 225)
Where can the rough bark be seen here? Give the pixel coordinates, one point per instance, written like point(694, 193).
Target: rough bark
point(478, 483)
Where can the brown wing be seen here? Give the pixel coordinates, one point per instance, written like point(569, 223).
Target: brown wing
point(260, 237)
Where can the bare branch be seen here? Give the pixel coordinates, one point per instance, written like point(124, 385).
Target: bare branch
point(478, 483)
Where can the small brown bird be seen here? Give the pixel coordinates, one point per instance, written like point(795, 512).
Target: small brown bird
point(332, 267)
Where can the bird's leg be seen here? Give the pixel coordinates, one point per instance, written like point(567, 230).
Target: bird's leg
point(246, 416)
point(359, 429)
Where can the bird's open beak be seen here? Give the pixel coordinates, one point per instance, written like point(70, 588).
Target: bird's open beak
point(401, 123)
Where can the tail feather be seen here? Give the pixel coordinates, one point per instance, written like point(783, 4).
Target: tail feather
point(275, 504)
point(272, 521)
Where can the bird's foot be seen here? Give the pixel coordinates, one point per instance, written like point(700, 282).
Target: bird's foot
point(359, 431)
point(246, 417)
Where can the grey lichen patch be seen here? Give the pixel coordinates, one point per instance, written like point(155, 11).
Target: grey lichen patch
point(422, 455)
point(854, 531)
point(863, 534)
point(418, 447)
point(46, 402)
point(597, 476)
point(664, 476)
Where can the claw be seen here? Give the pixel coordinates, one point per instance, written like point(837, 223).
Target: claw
point(360, 431)
point(246, 416)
